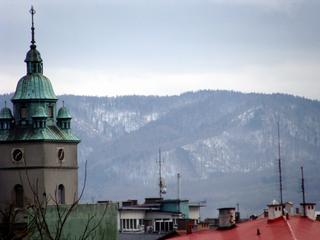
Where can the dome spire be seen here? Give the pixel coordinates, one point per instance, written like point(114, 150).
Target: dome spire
point(32, 11)
point(33, 58)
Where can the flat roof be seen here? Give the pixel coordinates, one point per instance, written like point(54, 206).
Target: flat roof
point(227, 208)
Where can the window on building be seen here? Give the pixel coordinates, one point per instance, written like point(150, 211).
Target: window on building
point(18, 190)
point(131, 223)
point(50, 111)
point(23, 113)
point(61, 194)
point(135, 223)
point(123, 223)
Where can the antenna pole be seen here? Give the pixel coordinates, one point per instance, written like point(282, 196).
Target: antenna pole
point(160, 177)
point(303, 193)
point(280, 170)
point(178, 193)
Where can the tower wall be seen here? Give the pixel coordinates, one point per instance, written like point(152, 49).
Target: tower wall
point(40, 166)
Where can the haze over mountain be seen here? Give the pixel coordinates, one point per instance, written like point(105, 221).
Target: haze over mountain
point(223, 143)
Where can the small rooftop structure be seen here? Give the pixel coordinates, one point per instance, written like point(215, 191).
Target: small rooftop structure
point(308, 210)
point(227, 217)
point(275, 210)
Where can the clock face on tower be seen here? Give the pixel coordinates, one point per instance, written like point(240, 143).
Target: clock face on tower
point(17, 154)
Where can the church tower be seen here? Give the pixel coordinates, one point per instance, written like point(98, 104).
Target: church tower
point(38, 151)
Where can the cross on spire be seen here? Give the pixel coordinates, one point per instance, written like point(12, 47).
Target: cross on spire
point(32, 11)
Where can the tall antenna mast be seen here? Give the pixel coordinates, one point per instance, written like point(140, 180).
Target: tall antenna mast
point(161, 183)
point(178, 187)
point(279, 164)
point(303, 193)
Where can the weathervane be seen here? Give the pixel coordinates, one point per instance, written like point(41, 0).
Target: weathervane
point(32, 11)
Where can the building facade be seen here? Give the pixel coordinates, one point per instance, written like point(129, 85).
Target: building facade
point(38, 149)
point(156, 215)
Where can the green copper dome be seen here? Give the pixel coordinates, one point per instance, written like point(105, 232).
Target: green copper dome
point(40, 113)
point(64, 113)
point(34, 86)
point(5, 113)
point(33, 55)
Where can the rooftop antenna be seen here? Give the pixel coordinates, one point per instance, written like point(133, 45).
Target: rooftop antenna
point(162, 189)
point(303, 193)
point(279, 165)
point(178, 189)
point(32, 11)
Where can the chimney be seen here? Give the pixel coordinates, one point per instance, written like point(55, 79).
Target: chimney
point(288, 206)
point(274, 210)
point(227, 218)
point(308, 210)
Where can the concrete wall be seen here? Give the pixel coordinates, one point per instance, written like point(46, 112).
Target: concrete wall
point(106, 214)
point(158, 215)
point(176, 206)
point(194, 212)
point(132, 214)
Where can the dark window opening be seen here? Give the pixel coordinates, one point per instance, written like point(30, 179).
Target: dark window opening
point(23, 113)
point(61, 194)
point(18, 190)
point(50, 111)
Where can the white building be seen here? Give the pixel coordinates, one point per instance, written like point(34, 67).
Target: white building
point(156, 215)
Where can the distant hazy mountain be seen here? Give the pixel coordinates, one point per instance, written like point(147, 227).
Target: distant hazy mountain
point(223, 143)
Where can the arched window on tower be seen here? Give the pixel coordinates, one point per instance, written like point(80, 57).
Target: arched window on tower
point(18, 191)
point(61, 194)
point(50, 111)
point(23, 113)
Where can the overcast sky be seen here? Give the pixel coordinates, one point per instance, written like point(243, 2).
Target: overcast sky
point(165, 47)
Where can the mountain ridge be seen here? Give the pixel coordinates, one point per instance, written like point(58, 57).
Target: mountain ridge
point(213, 138)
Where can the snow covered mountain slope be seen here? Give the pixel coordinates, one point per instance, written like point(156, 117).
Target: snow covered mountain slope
point(223, 143)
